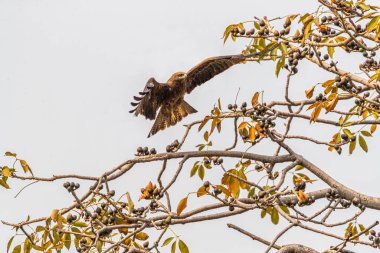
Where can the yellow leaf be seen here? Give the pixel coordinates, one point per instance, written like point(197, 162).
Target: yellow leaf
point(365, 114)
point(332, 96)
point(57, 217)
point(224, 190)
point(373, 128)
point(131, 205)
point(6, 171)
point(255, 99)
point(227, 32)
point(233, 185)
point(306, 31)
point(147, 191)
point(309, 92)
point(181, 205)
point(373, 78)
point(312, 106)
point(54, 215)
point(203, 123)
point(331, 51)
point(328, 83)
point(10, 154)
point(298, 180)
point(252, 133)
point(119, 221)
point(25, 166)
point(202, 191)
point(142, 236)
point(332, 105)
point(242, 175)
point(259, 130)
point(243, 125)
point(373, 23)
point(316, 112)
point(302, 196)
point(297, 34)
point(331, 148)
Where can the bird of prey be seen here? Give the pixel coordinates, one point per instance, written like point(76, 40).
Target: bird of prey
point(168, 97)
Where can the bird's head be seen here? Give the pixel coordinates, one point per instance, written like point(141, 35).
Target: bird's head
point(179, 76)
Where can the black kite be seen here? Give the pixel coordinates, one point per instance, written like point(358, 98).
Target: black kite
point(169, 97)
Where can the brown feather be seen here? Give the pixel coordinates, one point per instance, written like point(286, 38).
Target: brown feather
point(154, 95)
point(169, 117)
point(168, 97)
point(209, 68)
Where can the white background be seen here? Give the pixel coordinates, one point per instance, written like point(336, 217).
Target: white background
point(68, 71)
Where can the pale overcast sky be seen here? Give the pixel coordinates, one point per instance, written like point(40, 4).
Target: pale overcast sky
point(68, 71)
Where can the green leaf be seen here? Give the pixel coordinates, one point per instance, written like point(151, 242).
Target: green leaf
point(348, 132)
point(352, 146)
point(10, 243)
point(366, 133)
point(280, 65)
point(99, 246)
point(263, 213)
point(362, 228)
point(167, 241)
point(3, 183)
point(201, 172)
point(194, 169)
point(173, 247)
point(67, 240)
point(131, 205)
point(39, 229)
point(283, 49)
point(56, 237)
point(10, 154)
point(80, 224)
point(373, 23)
point(183, 247)
point(285, 209)
point(142, 236)
point(76, 230)
point(251, 192)
point(274, 216)
point(364, 7)
point(363, 143)
point(201, 147)
point(27, 246)
point(17, 249)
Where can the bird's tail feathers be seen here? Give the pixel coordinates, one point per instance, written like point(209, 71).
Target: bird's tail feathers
point(186, 109)
point(167, 118)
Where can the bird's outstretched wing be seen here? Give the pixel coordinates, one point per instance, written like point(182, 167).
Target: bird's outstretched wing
point(213, 66)
point(150, 99)
point(209, 68)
